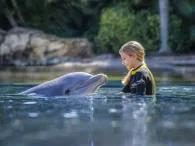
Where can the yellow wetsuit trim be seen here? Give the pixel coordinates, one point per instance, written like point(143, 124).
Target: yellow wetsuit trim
point(130, 73)
point(134, 71)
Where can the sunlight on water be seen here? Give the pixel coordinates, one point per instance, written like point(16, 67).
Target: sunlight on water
point(106, 117)
point(72, 114)
point(33, 115)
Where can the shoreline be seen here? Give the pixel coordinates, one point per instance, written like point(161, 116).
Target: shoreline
point(181, 66)
point(111, 64)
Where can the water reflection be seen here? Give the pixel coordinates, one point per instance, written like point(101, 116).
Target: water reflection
point(106, 118)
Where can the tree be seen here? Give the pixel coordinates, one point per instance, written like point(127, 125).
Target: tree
point(164, 17)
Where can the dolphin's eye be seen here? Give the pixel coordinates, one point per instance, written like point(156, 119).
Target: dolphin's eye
point(67, 92)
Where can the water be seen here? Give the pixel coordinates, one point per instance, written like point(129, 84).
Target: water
point(104, 118)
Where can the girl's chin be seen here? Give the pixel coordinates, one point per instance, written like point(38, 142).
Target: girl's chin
point(129, 67)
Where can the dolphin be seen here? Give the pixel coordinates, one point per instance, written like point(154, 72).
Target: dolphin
point(68, 84)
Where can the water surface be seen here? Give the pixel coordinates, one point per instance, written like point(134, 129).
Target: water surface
point(104, 118)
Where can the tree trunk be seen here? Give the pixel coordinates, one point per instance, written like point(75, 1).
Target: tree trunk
point(7, 13)
point(18, 13)
point(164, 17)
point(10, 17)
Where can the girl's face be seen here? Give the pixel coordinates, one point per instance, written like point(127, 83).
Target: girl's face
point(129, 60)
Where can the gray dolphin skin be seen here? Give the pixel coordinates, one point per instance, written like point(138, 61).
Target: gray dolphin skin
point(68, 84)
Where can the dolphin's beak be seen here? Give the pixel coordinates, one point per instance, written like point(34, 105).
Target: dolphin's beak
point(103, 77)
point(106, 77)
point(92, 83)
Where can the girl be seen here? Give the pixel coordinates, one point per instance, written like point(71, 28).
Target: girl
point(139, 79)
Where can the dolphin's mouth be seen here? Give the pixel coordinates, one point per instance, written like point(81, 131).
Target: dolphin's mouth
point(102, 82)
point(100, 78)
point(93, 82)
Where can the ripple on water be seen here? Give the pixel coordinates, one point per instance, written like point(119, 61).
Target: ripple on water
point(29, 102)
point(70, 115)
point(33, 115)
point(107, 117)
point(113, 110)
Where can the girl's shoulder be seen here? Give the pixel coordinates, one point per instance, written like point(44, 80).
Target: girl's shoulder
point(144, 72)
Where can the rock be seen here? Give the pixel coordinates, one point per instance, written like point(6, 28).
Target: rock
point(13, 43)
point(2, 35)
point(36, 47)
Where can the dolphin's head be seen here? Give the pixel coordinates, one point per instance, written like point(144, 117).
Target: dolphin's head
point(69, 84)
point(83, 83)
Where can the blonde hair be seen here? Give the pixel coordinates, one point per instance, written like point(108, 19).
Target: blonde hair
point(132, 47)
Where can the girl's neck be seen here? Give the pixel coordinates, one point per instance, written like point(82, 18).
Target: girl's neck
point(137, 65)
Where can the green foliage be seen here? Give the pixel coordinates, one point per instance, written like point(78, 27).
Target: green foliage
point(113, 30)
point(106, 23)
point(51, 17)
point(178, 35)
point(146, 30)
point(75, 18)
point(118, 25)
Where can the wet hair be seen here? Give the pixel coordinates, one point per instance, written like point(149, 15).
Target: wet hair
point(133, 47)
point(129, 48)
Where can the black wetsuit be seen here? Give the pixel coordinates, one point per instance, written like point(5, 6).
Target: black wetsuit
point(141, 82)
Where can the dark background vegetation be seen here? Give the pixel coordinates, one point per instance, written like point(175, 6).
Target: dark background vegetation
point(106, 23)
